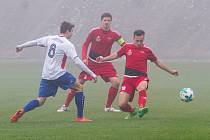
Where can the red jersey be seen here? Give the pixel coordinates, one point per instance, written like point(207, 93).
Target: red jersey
point(101, 43)
point(136, 59)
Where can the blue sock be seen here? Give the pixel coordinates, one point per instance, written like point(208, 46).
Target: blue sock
point(79, 99)
point(31, 105)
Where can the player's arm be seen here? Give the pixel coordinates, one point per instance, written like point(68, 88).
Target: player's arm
point(85, 47)
point(164, 67)
point(120, 41)
point(112, 56)
point(26, 45)
point(107, 58)
point(38, 42)
point(84, 68)
point(71, 52)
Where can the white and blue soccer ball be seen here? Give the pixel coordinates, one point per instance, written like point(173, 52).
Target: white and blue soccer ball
point(186, 94)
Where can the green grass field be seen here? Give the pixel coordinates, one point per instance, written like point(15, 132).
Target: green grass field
point(168, 117)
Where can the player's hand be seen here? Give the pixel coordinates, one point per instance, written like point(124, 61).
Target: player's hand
point(19, 49)
point(95, 79)
point(175, 72)
point(85, 61)
point(100, 59)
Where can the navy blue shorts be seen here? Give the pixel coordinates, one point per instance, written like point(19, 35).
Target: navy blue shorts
point(49, 87)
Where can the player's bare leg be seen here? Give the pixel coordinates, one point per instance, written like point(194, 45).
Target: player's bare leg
point(125, 106)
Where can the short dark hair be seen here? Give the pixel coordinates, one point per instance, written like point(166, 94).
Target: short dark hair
point(138, 33)
point(106, 15)
point(66, 26)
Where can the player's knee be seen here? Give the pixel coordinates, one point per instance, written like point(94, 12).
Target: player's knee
point(41, 100)
point(81, 81)
point(131, 97)
point(71, 91)
point(116, 83)
point(78, 87)
point(142, 86)
point(142, 89)
point(122, 105)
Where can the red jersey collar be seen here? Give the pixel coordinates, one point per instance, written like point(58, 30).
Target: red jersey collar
point(104, 31)
point(142, 46)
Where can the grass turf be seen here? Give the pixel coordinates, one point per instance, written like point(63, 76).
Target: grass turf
point(168, 117)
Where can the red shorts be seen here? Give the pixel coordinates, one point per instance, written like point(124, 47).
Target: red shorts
point(130, 84)
point(105, 70)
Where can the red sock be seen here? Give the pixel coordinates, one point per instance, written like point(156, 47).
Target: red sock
point(127, 108)
point(142, 100)
point(111, 96)
point(69, 97)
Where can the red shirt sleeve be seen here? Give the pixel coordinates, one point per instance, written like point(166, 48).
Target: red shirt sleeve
point(86, 45)
point(122, 51)
point(151, 56)
point(119, 37)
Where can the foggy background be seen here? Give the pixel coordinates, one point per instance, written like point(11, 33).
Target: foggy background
point(175, 29)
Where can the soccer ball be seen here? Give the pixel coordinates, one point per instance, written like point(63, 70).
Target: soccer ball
point(186, 94)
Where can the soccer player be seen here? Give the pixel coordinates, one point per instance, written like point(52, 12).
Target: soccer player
point(101, 40)
point(135, 76)
point(54, 73)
